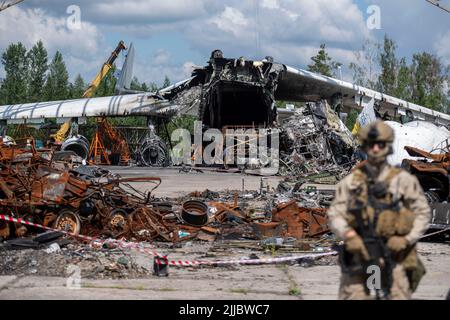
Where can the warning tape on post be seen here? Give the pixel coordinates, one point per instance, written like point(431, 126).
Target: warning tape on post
point(183, 263)
point(162, 259)
point(93, 240)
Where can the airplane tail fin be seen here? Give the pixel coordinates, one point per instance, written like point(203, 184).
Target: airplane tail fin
point(126, 75)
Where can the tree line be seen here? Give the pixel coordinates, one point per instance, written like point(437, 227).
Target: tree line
point(424, 81)
point(31, 77)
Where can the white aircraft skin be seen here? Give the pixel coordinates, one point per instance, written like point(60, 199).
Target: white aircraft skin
point(302, 85)
point(294, 85)
point(419, 134)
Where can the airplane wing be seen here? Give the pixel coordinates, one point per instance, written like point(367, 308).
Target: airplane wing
point(133, 104)
point(292, 85)
point(301, 85)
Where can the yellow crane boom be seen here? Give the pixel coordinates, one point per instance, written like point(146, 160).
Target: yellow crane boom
point(64, 129)
point(104, 70)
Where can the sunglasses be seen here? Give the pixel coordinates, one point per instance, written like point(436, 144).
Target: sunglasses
point(381, 144)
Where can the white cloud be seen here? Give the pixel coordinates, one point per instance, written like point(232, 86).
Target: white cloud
point(442, 47)
point(161, 57)
point(83, 47)
point(188, 67)
point(145, 11)
point(291, 31)
point(230, 20)
point(159, 65)
point(270, 4)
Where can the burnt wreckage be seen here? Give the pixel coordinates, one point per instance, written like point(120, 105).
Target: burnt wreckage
point(240, 93)
point(226, 93)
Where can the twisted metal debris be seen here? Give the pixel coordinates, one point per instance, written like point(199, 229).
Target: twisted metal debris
point(36, 187)
point(316, 144)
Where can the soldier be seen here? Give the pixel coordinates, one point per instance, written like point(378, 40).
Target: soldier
point(380, 212)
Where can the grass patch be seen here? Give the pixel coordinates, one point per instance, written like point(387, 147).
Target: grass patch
point(89, 285)
point(294, 291)
point(239, 290)
point(167, 289)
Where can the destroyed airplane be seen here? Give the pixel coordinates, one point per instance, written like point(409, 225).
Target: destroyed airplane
point(224, 93)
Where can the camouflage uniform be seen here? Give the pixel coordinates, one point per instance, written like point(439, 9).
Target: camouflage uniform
point(406, 223)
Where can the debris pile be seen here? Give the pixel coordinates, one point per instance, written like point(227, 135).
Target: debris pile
point(432, 171)
point(316, 145)
point(93, 202)
point(289, 220)
point(37, 188)
point(74, 257)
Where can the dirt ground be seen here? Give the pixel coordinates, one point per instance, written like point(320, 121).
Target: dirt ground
point(116, 274)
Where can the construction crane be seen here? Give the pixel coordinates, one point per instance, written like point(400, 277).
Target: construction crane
point(6, 4)
point(119, 146)
point(64, 129)
point(104, 70)
point(97, 151)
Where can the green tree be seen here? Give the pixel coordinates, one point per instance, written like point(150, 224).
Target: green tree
point(351, 119)
point(57, 83)
point(144, 87)
point(365, 66)
point(107, 86)
point(387, 80)
point(135, 84)
point(38, 58)
point(322, 62)
point(153, 87)
point(429, 78)
point(403, 88)
point(78, 87)
point(14, 86)
point(166, 82)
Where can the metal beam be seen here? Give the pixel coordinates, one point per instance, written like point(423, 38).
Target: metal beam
point(439, 5)
point(6, 4)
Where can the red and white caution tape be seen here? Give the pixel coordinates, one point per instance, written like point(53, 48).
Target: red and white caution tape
point(95, 242)
point(184, 263)
point(162, 259)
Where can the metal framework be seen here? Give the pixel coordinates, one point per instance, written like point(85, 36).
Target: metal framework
point(7, 4)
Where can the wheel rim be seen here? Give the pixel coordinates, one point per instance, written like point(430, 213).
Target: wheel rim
point(118, 222)
point(69, 222)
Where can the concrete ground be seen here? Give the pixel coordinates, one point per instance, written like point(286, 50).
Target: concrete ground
point(176, 184)
point(240, 283)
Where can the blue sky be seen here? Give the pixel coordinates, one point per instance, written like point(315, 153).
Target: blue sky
point(173, 35)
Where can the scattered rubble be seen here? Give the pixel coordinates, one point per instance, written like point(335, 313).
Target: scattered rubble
point(432, 171)
point(92, 264)
point(316, 145)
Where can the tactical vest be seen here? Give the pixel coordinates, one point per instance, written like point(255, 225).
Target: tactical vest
point(390, 216)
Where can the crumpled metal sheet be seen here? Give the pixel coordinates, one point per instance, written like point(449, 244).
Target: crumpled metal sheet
point(49, 184)
point(301, 222)
point(315, 140)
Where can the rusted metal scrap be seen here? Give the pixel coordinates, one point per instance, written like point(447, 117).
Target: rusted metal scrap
point(92, 201)
point(35, 187)
point(301, 222)
point(432, 171)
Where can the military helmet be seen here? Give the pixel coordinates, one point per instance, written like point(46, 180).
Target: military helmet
point(376, 131)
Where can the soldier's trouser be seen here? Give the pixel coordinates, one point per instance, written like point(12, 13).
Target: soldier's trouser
point(355, 287)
